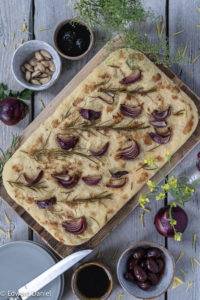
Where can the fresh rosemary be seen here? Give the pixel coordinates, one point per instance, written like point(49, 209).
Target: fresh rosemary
point(5, 155)
point(35, 187)
point(94, 198)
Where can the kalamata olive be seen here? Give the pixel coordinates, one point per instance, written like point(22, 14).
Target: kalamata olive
point(12, 111)
point(153, 252)
point(144, 285)
point(160, 264)
point(129, 276)
point(153, 278)
point(139, 273)
point(143, 264)
point(152, 265)
point(139, 253)
point(132, 263)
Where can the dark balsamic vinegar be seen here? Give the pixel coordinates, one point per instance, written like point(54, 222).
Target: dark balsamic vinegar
point(73, 39)
point(93, 282)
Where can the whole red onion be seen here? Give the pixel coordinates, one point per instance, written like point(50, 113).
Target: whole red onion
point(12, 111)
point(162, 221)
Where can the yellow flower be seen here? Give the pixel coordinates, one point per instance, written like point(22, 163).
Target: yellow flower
point(165, 187)
point(143, 200)
point(150, 162)
point(168, 155)
point(151, 185)
point(178, 236)
point(160, 196)
point(173, 182)
point(173, 222)
point(188, 190)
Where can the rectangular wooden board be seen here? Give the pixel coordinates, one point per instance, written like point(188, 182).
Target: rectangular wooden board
point(61, 249)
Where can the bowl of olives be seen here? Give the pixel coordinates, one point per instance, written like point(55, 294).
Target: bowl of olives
point(145, 270)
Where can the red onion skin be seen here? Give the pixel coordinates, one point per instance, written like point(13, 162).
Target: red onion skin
point(158, 124)
point(12, 111)
point(162, 224)
point(118, 174)
point(46, 203)
point(75, 226)
point(90, 114)
point(32, 181)
point(100, 152)
point(161, 115)
point(159, 138)
point(129, 153)
point(117, 185)
point(91, 180)
point(67, 183)
point(67, 143)
point(132, 78)
point(130, 111)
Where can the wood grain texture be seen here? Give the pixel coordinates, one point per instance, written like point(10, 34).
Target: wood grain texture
point(184, 15)
point(11, 36)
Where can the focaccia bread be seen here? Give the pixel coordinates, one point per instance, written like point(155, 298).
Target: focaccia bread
point(101, 145)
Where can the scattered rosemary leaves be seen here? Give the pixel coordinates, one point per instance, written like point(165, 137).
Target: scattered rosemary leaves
point(5, 155)
point(92, 198)
point(194, 241)
point(39, 186)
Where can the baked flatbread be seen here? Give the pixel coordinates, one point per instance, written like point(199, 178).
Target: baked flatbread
point(118, 128)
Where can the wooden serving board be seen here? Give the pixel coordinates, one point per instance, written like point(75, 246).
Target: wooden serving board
point(61, 249)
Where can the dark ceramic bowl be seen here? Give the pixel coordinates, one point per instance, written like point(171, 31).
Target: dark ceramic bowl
point(156, 290)
point(57, 30)
point(81, 267)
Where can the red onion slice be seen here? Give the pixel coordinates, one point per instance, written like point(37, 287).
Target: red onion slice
point(118, 174)
point(75, 226)
point(158, 124)
point(117, 183)
point(66, 180)
point(91, 180)
point(32, 181)
point(161, 115)
point(131, 111)
point(101, 151)
point(46, 203)
point(135, 76)
point(89, 114)
point(130, 152)
point(67, 143)
point(160, 138)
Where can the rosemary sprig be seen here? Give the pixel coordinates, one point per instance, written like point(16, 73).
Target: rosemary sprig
point(93, 198)
point(36, 187)
point(5, 155)
point(58, 154)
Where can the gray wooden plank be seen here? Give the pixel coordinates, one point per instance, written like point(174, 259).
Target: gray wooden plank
point(12, 34)
point(184, 15)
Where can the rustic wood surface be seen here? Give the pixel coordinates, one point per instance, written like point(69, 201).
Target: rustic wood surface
point(40, 17)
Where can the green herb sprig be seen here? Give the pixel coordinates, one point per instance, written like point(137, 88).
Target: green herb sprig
point(24, 95)
point(5, 155)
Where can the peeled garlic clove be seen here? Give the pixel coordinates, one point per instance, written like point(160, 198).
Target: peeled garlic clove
point(28, 67)
point(43, 75)
point(33, 62)
point(47, 71)
point(45, 80)
point(45, 63)
point(28, 75)
point(35, 81)
point(36, 74)
point(45, 54)
point(23, 69)
point(38, 56)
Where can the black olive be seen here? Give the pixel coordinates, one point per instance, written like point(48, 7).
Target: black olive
point(80, 44)
point(144, 285)
point(153, 252)
point(139, 273)
point(143, 264)
point(139, 253)
point(153, 278)
point(160, 264)
point(129, 276)
point(132, 263)
point(152, 266)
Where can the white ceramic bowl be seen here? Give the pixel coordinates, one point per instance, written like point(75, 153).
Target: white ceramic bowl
point(156, 290)
point(26, 52)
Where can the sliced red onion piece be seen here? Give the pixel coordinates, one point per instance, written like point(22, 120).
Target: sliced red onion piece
point(130, 152)
point(101, 151)
point(90, 114)
point(75, 226)
point(158, 124)
point(32, 181)
point(67, 143)
point(161, 115)
point(117, 183)
point(132, 78)
point(91, 180)
point(46, 203)
point(66, 181)
point(160, 138)
point(118, 174)
point(131, 111)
